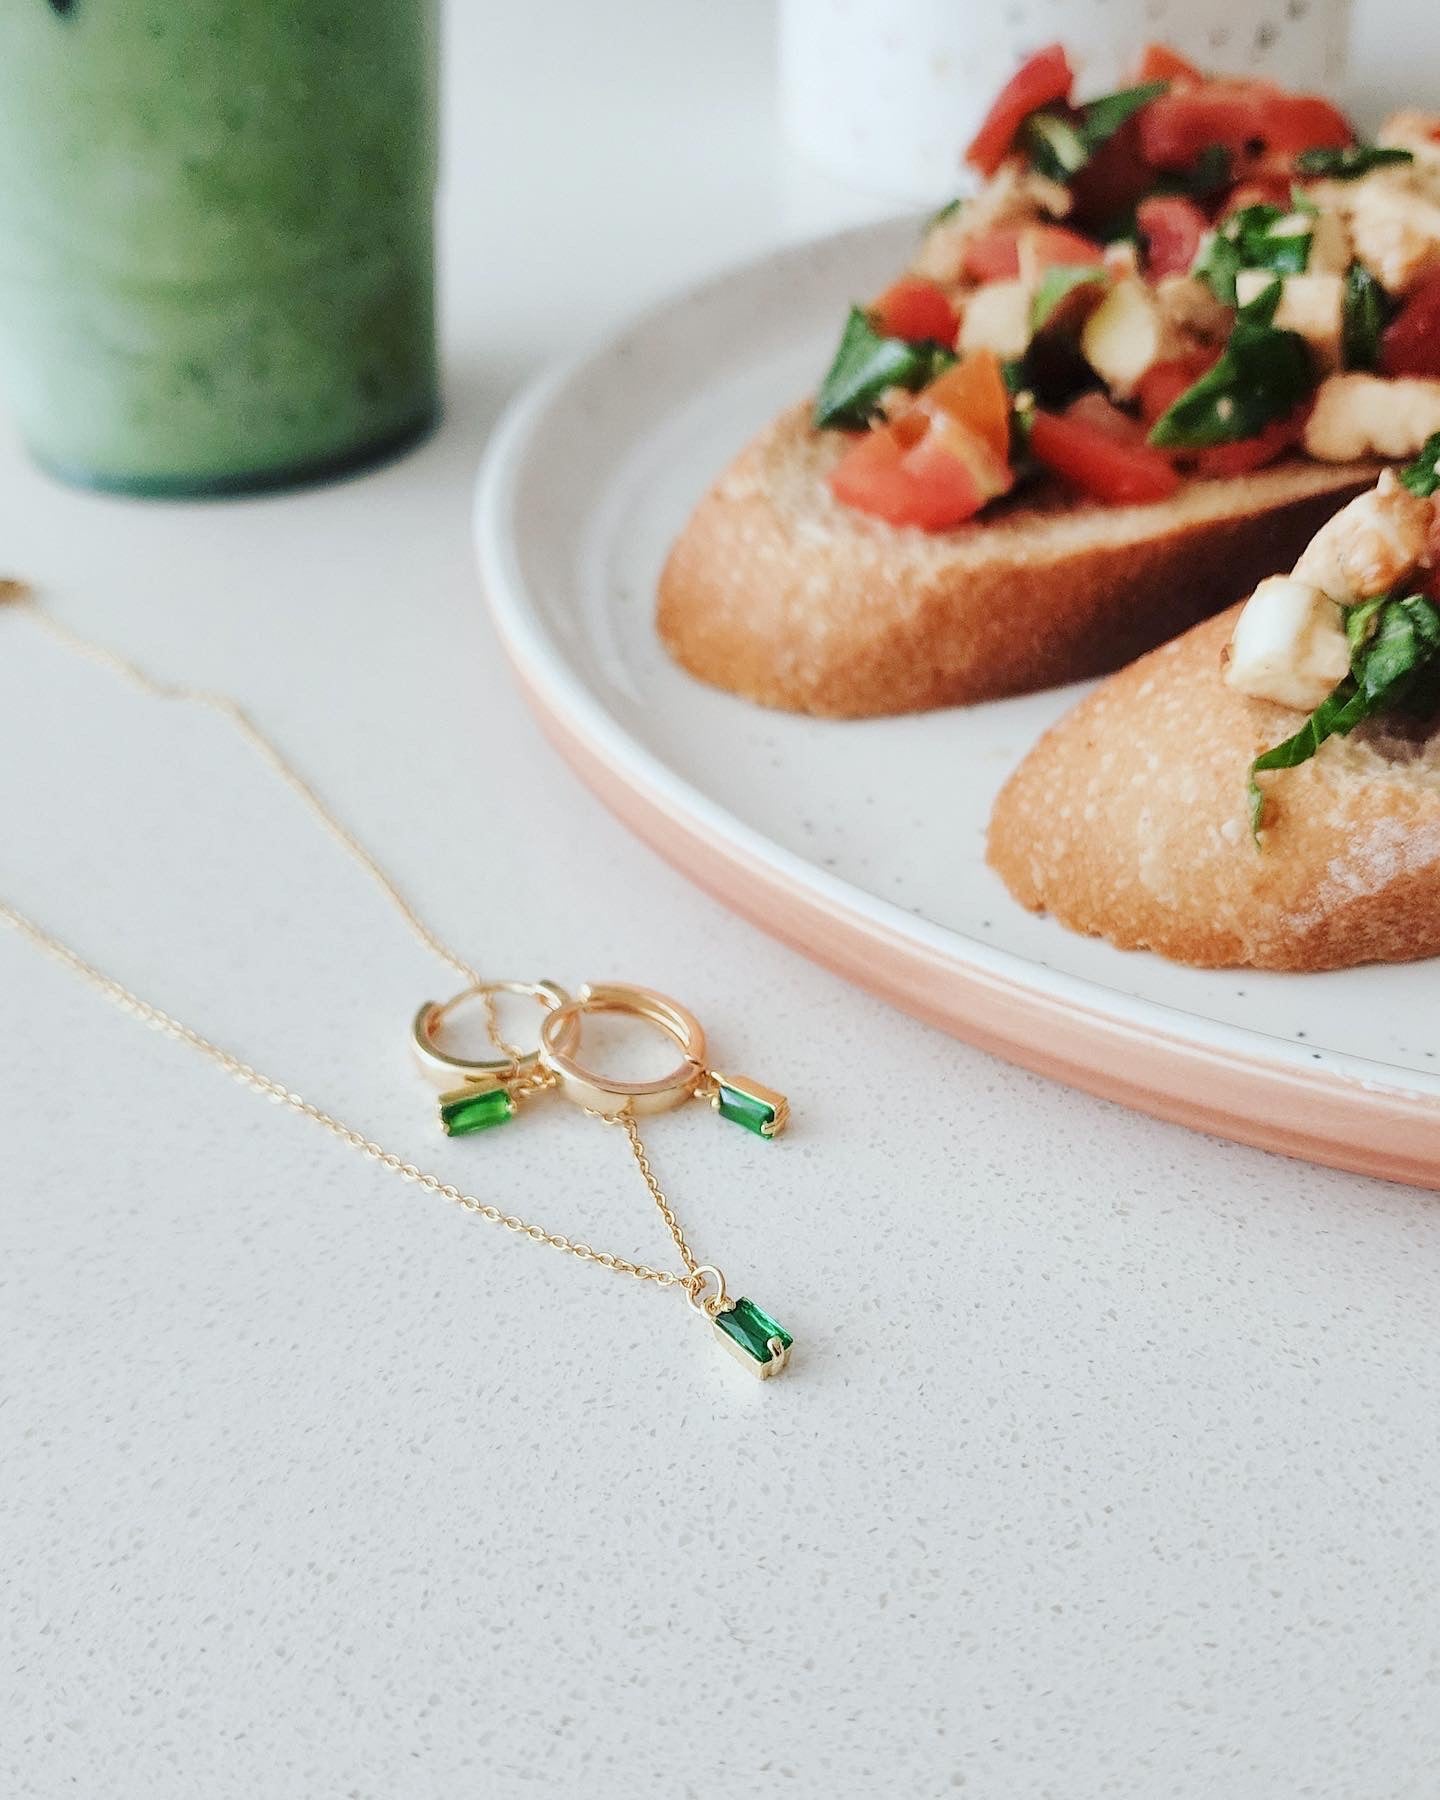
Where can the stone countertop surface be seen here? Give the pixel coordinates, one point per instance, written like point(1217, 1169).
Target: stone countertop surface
point(1106, 1464)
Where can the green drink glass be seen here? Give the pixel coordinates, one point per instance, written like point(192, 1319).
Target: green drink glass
point(217, 237)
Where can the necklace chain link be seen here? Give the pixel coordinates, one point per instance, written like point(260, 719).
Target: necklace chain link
point(17, 595)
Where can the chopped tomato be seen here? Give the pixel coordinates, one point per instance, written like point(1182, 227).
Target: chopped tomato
point(1158, 62)
point(995, 255)
point(1095, 459)
point(1171, 228)
point(1094, 409)
point(1251, 453)
point(1247, 118)
point(1163, 383)
point(1410, 344)
point(974, 394)
point(935, 480)
point(915, 309)
point(1107, 188)
point(1039, 81)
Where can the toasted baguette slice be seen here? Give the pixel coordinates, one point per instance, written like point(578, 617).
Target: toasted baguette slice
point(1128, 821)
point(778, 592)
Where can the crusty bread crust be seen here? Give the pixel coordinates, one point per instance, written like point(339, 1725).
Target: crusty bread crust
point(1128, 821)
point(777, 592)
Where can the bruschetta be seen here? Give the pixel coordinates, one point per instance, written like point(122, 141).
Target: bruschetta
point(1264, 791)
point(1130, 376)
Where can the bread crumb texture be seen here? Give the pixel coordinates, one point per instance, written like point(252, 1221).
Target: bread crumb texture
point(777, 592)
point(1128, 821)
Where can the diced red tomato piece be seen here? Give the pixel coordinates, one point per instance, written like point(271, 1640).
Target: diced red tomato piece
point(1410, 344)
point(974, 394)
point(1163, 383)
point(1246, 454)
point(1040, 81)
point(1171, 228)
point(1158, 62)
point(935, 480)
point(1107, 188)
point(995, 255)
point(1097, 461)
point(915, 309)
point(1105, 416)
point(1246, 118)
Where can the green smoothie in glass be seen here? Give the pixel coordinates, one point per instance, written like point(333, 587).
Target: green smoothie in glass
point(216, 237)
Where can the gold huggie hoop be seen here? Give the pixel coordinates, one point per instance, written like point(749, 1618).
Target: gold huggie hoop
point(601, 1093)
point(447, 1070)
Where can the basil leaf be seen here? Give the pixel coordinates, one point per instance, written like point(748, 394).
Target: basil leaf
point(1262, 309)
point(1364, 314)
point(1360, 623)
point(1248, 240)
point(1057, 150)
point(1211, 172)
point(1263, 375)
point(1218, 264)
point(942, 216)
point(1351, 162)
point(1422, 476)
point(1101, 119)
point(1061, 143)
point(1387, 664)
point(1055, 284)
point(866, 364)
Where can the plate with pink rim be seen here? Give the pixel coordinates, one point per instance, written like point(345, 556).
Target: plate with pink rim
point(863, 843)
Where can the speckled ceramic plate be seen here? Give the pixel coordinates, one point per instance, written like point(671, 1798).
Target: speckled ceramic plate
point(862, 843)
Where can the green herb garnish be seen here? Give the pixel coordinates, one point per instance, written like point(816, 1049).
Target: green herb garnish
point(1422, 476)
point(1394, 656)
point(1055, 285)
point(1351, 162)
point(940, 217)
point(866, 364)
point(1212, 171)
point(1263, 375)
point(1248, 240)
point(1101, 119)
point(1056, 147)
point(1364, 315)
point(1061, 143)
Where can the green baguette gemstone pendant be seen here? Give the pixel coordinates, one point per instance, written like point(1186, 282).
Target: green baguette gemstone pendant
point(474, 1109)
point(749, 1103)
point(753, 1338)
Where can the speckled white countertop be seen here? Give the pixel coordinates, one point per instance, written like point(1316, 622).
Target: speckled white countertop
point(1108, 1459)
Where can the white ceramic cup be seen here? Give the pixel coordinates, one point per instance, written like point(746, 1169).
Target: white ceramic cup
point(885, 93)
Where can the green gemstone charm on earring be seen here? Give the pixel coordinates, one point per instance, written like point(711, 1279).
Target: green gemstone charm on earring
point(745, 1102)
point(474, 1109)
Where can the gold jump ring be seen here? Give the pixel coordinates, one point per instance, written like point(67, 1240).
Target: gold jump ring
point(602, 1093)
point(447, 1070)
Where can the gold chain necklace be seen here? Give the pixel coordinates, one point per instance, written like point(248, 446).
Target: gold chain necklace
point(477, 1094)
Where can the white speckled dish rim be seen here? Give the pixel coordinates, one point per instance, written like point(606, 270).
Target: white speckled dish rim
point(861, 843)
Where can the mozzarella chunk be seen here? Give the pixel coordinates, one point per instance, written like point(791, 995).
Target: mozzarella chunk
point(1331, 252)
point(997, 317)
point(1372, 546)
point(1396, 227)
point(1356, 416)
point(1188, 305)
point(1288, 645)
point(1419, 133)
point(1126, 335)
point(1013, 194)
point(1313, 305)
